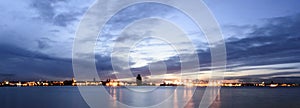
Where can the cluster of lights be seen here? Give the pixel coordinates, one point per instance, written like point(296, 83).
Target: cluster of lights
point(188, 83)
point(115, 83)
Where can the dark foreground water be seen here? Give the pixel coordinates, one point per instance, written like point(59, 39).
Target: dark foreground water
point(69, 97)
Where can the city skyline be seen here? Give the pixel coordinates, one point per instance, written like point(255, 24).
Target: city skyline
point(262, 43)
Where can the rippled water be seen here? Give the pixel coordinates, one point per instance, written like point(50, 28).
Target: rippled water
point(69, 97)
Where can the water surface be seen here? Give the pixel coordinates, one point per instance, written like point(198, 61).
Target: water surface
point(69, 97)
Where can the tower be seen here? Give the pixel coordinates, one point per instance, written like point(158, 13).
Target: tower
point(139, 80)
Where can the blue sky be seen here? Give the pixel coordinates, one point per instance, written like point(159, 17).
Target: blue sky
point(262, 39)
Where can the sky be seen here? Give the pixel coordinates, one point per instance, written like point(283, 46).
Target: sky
point(261, 37)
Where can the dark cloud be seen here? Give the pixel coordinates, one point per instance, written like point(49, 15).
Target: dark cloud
point(266, 76)
point(139, 11)
point(47, 10)
point(289, 79)
point(104, 66)
point(21, 64)
point(274, 43)
point(44, 43)
point(65, 19)
point(133, 13)
point(262, 68)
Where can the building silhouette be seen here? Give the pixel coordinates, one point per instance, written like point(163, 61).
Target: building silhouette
point(70, 82)
point(139, 80)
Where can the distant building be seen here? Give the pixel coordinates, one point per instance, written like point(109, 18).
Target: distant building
point(5, 83)
point(105, 83)
point(139, 80)
point(70, 82)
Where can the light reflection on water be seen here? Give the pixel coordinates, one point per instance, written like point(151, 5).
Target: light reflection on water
point(176, 97)
point(69, 97)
